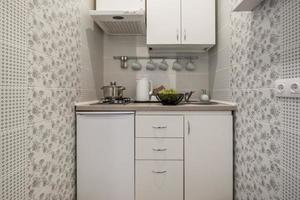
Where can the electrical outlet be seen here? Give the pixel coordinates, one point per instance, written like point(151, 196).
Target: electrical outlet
point(280, 87)
point(294, 87)
point(288, 87)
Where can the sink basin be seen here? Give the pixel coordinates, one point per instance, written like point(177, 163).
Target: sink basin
point(200, 103)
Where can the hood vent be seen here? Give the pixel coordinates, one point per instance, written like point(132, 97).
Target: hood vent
point(120, 23)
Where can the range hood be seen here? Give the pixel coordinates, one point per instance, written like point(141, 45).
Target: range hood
point(120, 22)
point(120, 17)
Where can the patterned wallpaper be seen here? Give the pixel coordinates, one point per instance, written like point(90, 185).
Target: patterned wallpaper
point(51, 57)
point(264, 47)
point(255, 66)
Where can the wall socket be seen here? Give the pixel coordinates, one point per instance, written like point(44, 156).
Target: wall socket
point(288, 87)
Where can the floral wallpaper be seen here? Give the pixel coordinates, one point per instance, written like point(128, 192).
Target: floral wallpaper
point(266, 138)
point(49, 60)
point(55, 65)
point(256, 62)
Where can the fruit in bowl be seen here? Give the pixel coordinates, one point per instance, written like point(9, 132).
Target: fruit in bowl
point(169, 97)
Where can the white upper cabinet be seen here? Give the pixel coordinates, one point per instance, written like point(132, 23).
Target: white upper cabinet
point(120, 5)
point(163, 22)
point(181, 24)
point(198, 22)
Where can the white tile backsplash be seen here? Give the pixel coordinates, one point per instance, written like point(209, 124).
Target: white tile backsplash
point(136, 46)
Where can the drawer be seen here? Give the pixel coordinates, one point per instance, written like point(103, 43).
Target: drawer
point(159, 148)
point(159, 180)
point(159, 126)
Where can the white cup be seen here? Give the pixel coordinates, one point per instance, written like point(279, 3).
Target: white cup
point(190, 66)
point(151, 66)
point(163, 65)
point(136, 65)
point(177, 66)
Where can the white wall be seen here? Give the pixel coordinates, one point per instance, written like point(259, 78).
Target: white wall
point(219, 56)
point(91, 54)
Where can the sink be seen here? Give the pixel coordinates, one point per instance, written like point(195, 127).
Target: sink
point(200, 103)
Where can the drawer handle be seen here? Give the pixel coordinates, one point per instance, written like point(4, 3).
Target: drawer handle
point(159, 127)
point(160, 172)
point(158, 149)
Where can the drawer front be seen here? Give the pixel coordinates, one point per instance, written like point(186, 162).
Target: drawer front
point(159, 148)
point(159, 180)
point(159, 126)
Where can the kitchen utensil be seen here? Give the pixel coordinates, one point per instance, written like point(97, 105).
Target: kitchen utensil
point(190, 66)
point(112, 90)
point(177, 66)
point(136, 65)
point(187, 96)
point(170, 99)
point(204, 97)
point(163, 65)
point(143, 89)
point(151, 66)
point(124, 64)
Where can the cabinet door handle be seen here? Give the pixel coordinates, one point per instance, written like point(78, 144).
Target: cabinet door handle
point(177, 35)
point(159, 127)
point(184, 34)
point(160, 172)
point(189, 127)
point(159, 149)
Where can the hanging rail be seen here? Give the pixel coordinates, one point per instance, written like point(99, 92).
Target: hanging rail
point(155, 57)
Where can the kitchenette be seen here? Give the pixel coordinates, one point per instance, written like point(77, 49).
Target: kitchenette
point(155, 133)
point(149, 100)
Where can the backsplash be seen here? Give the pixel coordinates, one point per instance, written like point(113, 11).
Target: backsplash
point(263, 46)
point(136, 46)
point(219, 56)
point(51, 57)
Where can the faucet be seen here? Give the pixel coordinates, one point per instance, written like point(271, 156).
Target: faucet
point(188, 95)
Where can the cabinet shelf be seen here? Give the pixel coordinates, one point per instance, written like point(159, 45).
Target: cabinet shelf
point(246, 5)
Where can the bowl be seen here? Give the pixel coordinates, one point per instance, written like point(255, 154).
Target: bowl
point(170, 99)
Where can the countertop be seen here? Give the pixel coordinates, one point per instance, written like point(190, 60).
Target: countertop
point(93, 106)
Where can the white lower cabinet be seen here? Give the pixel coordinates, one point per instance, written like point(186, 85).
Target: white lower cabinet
point(159, 157)
point(178, 156)
point(105, 156)
point(208, 157)
point(159, 180)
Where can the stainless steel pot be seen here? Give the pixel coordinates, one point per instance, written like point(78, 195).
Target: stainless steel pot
point(113, 91)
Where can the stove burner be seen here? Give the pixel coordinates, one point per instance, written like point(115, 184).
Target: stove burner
point(122, 100)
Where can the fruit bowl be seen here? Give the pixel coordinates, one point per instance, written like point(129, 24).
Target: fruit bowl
point(170, 99)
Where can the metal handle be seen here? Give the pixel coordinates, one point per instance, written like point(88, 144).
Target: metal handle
point(159, 127)
point(159, 149)
point(184, 34)
point(104, 113)
point(160, 172)
point(189, 127)
point(177, 35)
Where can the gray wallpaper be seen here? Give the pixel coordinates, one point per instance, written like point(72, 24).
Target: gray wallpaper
point(51, 57)
point(264, 46)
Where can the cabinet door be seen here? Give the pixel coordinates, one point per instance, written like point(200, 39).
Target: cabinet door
point(198, 22)
point(163, 22)
point(208, 157)
point(128, 5)
point(105, 156)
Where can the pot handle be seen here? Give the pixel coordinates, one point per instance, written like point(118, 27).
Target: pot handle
point(122, 88)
